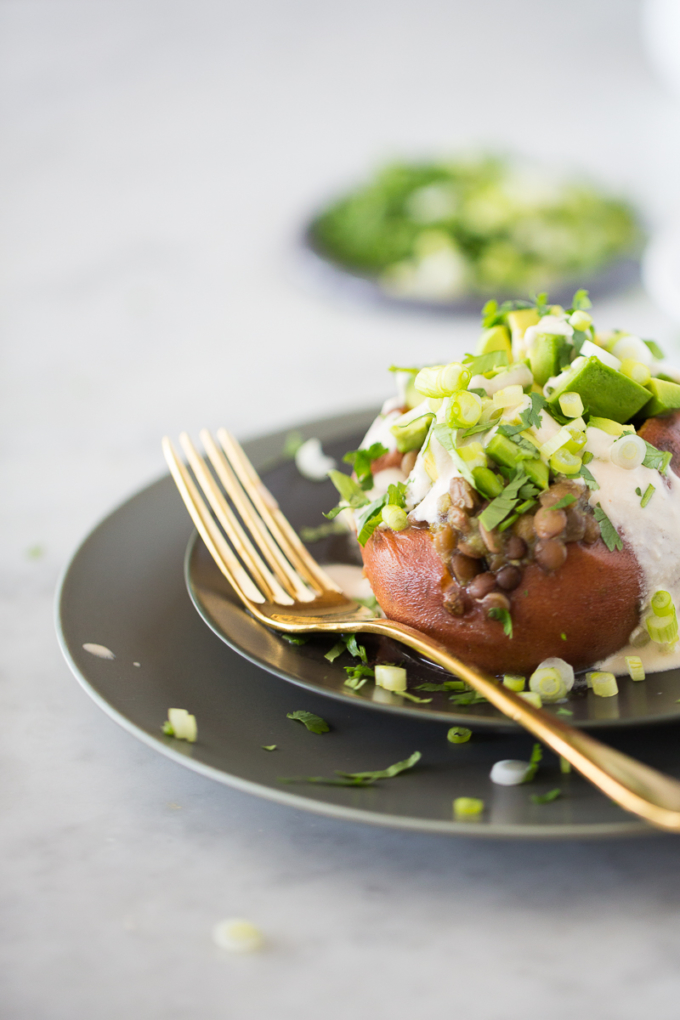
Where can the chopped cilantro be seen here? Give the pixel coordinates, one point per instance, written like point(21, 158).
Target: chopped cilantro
point(361, 461)
point(565, 501)
point(638, 491)
point(357, 778)
point(310, 535)
point(446, 437)
point(349, 642)
point(546, 798)
point(482, 363)
point(268, 747)
point(371, 515)
point(563, 636)
point(503, 616)
point(610, 535)
point(494, 315)
point(351, 493)
point(337, 649)
point(541, 304)
point(580, 301)
point(585, 474)
point(534, 761)
point(314, 723)
point(655, 349)
point(357, 676)
point(292, 444)
point(482, 427)
point(578, 340)
point(468, 698)
point(413, 697)
point(564, 711)
point(659, 459)
point(295, 639)
point(499, 508)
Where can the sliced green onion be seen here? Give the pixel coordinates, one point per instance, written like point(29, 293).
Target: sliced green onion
point(604, 684)
point(628, 452)
point(559, 440)
point(458, 735)
point(662, 629)
point(465, 410)
point(487, 482)
point(649, 492)
point(468, 807)
point(508, 396)
point(181, 725)
point(662, 603)
point(580, 320)
point(571, 404)
point(509, 772)
point(391, 678)
point(612, 428)
point(548, 683)
point(636, 371)
point(636, 671)
point(514, 681)
point(394, 517)
point(442, 380)
point(473, 454)
point(577, 442)
point(532, 697)
point(565, 463)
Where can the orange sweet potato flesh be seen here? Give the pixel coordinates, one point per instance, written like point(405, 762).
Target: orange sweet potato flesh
point(593, 598)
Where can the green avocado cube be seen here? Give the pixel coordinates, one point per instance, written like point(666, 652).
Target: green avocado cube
point(495, 339)
point(605, 392)
point(665, 397)
point(411, 435)
point(544, 357)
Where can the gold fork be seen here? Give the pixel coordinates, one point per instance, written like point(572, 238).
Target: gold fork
point(284, 587)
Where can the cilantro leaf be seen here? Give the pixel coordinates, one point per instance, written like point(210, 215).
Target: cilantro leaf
point(659, 459)
point(388, 773)
point(503, 616)
point(564, 711)
point(610, 535)
point(413, 697)
point(361, 461)
point(295, 639)
point(357, 676)
point(347, 642)
point(446, 437)
point(357, 778)
point(499, 508)
point(481, 363)
point(578, 340)
point(546, 798)
point(580, 302)
point(468, 698)
point(351, 493)
point(655, 349)
point(314, 723)
point(493, 315)
point(309, 535)
point(538, 404)
point(585, 474)
point(448, 685)
point(482, 427)
point(541, 304)
point(565, 501)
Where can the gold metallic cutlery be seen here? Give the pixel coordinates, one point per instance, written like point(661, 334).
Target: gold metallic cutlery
point(284, 587)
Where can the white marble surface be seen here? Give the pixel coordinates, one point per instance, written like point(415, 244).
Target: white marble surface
point(157, 159)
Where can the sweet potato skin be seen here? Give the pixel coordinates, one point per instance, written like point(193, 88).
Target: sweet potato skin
point(664, 433)
point(593, 599)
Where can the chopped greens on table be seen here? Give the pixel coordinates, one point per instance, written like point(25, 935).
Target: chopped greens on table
point(440, 231)
point(521, 506)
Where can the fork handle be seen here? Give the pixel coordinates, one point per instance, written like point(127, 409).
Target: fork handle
point(635, 787)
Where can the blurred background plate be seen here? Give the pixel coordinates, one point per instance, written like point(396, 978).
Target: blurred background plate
point(657, 699)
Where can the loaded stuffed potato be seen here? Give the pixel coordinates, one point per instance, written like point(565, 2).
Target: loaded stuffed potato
point(523, 504)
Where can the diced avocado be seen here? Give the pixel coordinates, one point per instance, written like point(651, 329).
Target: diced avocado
point(537, 471)
point(544, 357)
point(604, 391)
point(520, 321)
point(495, 339)
point(665, 397)
point(503, 450)
point(411, 435)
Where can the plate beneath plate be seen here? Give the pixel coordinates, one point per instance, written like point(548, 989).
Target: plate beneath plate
point(124, 589)
point(654, 700)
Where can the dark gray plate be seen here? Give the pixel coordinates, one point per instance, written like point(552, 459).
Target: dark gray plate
point(303, 502)
point(124, 589)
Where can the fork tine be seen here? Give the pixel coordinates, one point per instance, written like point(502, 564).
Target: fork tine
point(208, 530)
point(287, 575)
point(264, 578)
point(273, 517)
